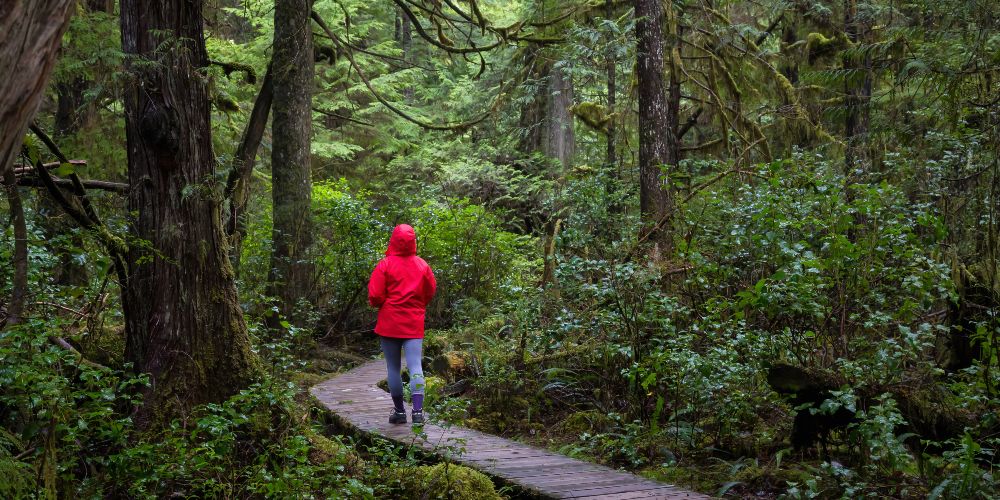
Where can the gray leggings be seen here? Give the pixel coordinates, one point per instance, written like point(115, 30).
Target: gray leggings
point(412, 349)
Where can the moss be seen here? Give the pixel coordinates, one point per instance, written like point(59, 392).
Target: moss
point(105, 346)
point(444, 481)
point(585, 421)
point(819, 46)
point(323, 450)
point(594, 115)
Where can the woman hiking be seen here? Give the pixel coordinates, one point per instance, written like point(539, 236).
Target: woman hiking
point(401, 286)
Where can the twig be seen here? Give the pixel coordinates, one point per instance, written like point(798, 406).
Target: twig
point(60, 306)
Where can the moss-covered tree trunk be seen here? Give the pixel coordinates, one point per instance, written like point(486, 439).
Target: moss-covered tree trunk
point(292, 272)
point(657, 137)
point(184, 325)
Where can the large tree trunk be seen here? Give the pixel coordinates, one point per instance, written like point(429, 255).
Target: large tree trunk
point(655, 132)
point(32, 31)
point(184, 324)
point(291, 189)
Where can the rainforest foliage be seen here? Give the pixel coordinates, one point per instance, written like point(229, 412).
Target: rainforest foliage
point(750, 248)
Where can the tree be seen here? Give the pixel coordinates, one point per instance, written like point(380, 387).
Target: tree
point(291, 128)
point(32, 31)
point(184, 324)
point(657, 130)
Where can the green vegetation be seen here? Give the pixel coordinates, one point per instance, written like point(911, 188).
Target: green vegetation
point(768, 268)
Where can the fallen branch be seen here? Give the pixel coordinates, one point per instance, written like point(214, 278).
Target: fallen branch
point(25, 169)
point(116, 187)
point(61, 342)
point(61, 307)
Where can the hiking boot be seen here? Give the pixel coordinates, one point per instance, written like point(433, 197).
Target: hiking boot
point(418, 417)
point(397, 417)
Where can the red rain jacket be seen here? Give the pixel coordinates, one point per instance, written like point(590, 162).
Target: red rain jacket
point(401, 286)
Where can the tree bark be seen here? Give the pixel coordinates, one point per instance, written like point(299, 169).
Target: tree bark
point(656, 201)
point(291, 128)
point(19, 260)
point(184, 325)
point(32, 31)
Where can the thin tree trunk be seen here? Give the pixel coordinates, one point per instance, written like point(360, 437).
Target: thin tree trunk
point(406, 41)
point(238, 184)
point(32, 31)
point(655, 132)
point(858, 93)
point(612, 151)
point(184, 325)
point(19, 261)
point(291, 128)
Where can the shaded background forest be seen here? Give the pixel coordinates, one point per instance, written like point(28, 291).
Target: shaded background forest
point(749, 248)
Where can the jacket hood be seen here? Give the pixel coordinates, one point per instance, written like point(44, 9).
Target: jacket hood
point(403, 241)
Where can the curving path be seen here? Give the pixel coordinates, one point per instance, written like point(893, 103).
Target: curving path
point(354, 397)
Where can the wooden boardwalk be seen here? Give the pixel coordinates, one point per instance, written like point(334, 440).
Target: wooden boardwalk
point(354, 397)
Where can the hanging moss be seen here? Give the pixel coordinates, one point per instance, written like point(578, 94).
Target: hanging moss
point(819, 46)
point(594, 115)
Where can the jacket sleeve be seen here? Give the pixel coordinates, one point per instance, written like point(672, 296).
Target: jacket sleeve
point(376, 286)
point(430, 286)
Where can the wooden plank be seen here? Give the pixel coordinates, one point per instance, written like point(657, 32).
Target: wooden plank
point(663, 493)
point(354, 396)
point(580, 491)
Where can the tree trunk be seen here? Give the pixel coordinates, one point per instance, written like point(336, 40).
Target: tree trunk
point(291, 128)
point(184, 325)
point(68, 121)
point(32, 31)
point(406, 42)
point(857, 91)
point(612, 151)
point(560, 140)
point(19, 260)
point(655, 133)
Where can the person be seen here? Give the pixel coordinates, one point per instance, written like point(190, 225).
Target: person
point(401, 286)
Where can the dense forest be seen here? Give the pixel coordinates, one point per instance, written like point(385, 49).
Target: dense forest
point(748, 248)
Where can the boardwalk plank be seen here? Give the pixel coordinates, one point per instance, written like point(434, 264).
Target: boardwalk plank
point(355, 398)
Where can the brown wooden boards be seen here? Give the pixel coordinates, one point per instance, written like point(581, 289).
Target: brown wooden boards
point(358, 401)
